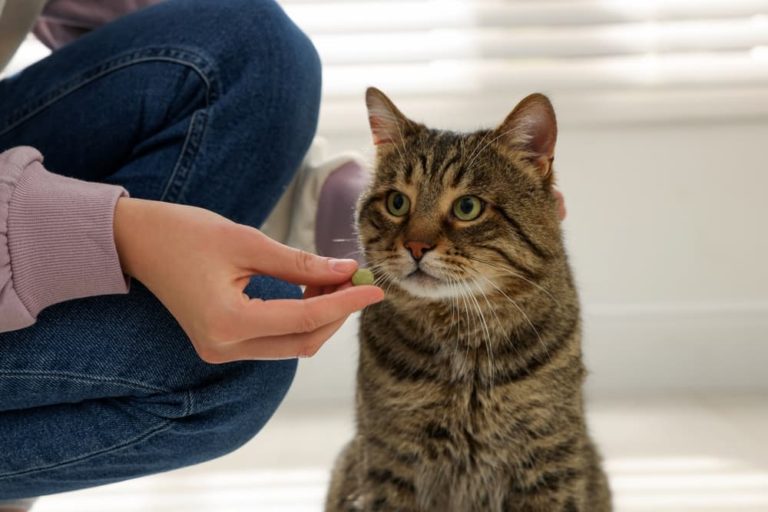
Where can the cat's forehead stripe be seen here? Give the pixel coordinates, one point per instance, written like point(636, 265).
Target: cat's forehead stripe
point(439, 158)
point(408, 172)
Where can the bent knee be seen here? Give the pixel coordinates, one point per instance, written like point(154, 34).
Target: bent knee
point(263, 47)
point(281, 69)
point(243, 405)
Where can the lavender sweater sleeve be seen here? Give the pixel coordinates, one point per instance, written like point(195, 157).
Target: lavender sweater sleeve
point(56, 238)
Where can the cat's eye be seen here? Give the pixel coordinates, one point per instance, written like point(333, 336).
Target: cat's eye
point(398, 203)
point(467, 207)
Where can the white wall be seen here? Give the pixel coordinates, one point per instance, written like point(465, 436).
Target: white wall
point(667, 234)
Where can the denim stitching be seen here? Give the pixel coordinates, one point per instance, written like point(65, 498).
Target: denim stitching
point(201, 65)
point(136, 439)
point(189, 406)
point(84, 379)
point(175, 186)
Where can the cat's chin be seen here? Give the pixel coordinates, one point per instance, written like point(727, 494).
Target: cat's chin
point(425, 286)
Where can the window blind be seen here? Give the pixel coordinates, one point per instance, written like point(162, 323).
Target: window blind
point(465, 63)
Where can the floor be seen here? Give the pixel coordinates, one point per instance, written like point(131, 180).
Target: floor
point(664, 454)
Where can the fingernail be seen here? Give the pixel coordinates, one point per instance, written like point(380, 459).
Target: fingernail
point(342, 266)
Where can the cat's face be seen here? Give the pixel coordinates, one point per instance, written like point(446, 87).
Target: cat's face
point(452, 215)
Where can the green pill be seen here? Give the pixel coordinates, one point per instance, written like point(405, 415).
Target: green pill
point(362, 276)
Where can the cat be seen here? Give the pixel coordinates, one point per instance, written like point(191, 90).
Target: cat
point(469, 385)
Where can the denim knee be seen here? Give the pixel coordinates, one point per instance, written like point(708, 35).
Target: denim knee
point(257, 389)
point(279, 67)
point(266, 114)
point(286, 79)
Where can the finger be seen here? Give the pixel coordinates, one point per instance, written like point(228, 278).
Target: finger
point(279, 347)
point(297, 266)
point(314, 291)
point(289, 316)
point(561, 212)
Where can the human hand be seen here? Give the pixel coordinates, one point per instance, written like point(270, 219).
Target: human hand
point(197, 263)
point(560, 203)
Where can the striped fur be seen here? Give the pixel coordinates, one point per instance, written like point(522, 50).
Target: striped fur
point(471, 401)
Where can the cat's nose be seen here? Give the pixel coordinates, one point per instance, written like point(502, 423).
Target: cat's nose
point(417, 248)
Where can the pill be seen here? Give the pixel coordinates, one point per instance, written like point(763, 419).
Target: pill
point(362, 276)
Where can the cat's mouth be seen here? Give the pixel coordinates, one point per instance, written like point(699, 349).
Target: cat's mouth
point(423, 278)
point(422, 283)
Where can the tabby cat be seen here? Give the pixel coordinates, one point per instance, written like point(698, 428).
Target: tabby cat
point(469, 394)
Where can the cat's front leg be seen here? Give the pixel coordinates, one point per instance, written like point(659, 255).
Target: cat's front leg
point(543, 504)
point(388, 487)
point(564, 499)
point(371, 478)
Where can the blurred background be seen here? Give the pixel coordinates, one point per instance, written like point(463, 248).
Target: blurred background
point(662, 157)
point(663, 114)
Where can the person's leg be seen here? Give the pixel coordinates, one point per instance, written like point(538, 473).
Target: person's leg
point(109, 388)
point(190, 101)
point(200, 102)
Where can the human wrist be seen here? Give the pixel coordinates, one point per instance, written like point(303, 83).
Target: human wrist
point(127, 223)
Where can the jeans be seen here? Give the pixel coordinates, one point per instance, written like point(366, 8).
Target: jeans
point(211, 103)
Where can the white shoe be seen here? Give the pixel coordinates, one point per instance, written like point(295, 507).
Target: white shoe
point(17, 505)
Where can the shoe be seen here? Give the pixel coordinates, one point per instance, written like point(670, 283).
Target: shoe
point(17, 505)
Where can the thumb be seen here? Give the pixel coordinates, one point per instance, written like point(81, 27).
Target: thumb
point(297, 266)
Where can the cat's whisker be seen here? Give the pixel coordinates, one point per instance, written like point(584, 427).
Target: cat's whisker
point(499, 324)
point(453, 283)
point(469, 165)
point(477, 273)
point(347, 254)
point(522, 312)
point(517, 275)
point(454, 316)
point(477, 147)
point(476, 316)
point(402, 142)
point(383, 279)
point(467, 317)
point(388, 285)
point(484, 325)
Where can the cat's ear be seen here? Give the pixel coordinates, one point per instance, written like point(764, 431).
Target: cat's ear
point(388, 124)
point(532, 127)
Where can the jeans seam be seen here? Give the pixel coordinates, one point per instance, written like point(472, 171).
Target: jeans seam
point(200, 64)
point(175, 186)
point(138, 438)
point(162, 427)
point(83, 379)
point(189, 406)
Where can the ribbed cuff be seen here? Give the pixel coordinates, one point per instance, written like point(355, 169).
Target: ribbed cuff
point(61, 239)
